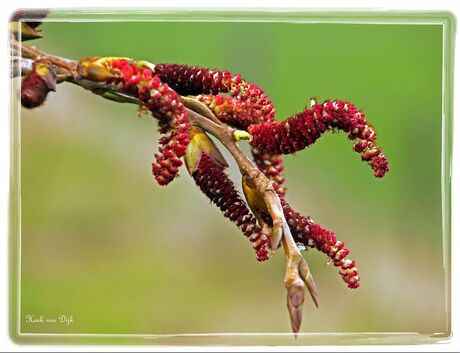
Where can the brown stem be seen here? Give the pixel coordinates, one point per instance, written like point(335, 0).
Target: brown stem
point(34, 54)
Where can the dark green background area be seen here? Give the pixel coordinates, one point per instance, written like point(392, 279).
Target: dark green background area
point(102, 242)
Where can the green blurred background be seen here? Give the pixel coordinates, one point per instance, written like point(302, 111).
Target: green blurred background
point(102, 242)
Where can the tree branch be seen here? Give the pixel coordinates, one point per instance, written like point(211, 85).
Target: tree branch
point(298, 275)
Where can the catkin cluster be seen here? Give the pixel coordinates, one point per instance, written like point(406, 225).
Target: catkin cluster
point(239, 104)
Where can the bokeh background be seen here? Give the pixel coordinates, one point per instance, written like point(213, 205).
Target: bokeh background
point(102, 242)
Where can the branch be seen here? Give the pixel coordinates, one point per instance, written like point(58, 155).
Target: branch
point(297, 275)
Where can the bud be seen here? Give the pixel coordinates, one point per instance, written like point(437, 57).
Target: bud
point(255, 200)
point(24, 24)
point(146, 64)
point(37, 83)
point(240, 135)
point(22, 31)
point(201, 144)
point(307, 277)
point(295, 299)
point(94, 69)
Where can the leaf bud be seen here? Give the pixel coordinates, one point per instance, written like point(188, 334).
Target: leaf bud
point(37, 83)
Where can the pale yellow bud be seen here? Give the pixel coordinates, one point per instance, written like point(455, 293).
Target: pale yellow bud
point(201, 144)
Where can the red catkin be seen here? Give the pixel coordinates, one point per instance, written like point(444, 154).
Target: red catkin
point(312, 235)
point(303, 129)
point(217, 186)
point(230, 110)
point(165, 106)
point(194, 80)
point(272, 167)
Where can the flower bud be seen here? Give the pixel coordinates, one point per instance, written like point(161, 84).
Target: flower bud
point(37, 83)
point(24, 24)
point(201, 144)
point(258, 206)
point(94, 69)
point(22, 31)
point(295, 299)
point(255, 200)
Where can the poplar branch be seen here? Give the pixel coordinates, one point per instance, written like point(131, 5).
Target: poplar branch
point(298, 276)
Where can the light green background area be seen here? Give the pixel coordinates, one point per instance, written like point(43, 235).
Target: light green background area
point(102, 242)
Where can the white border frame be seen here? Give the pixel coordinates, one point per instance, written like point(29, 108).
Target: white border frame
point(453, 245)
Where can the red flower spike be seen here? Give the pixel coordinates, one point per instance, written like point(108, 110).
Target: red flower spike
point(164, 104)
point(194, 80)
point(303, 129)
point(212, 180)
point(272, 167)
point(230, 110)
point(312, 235)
